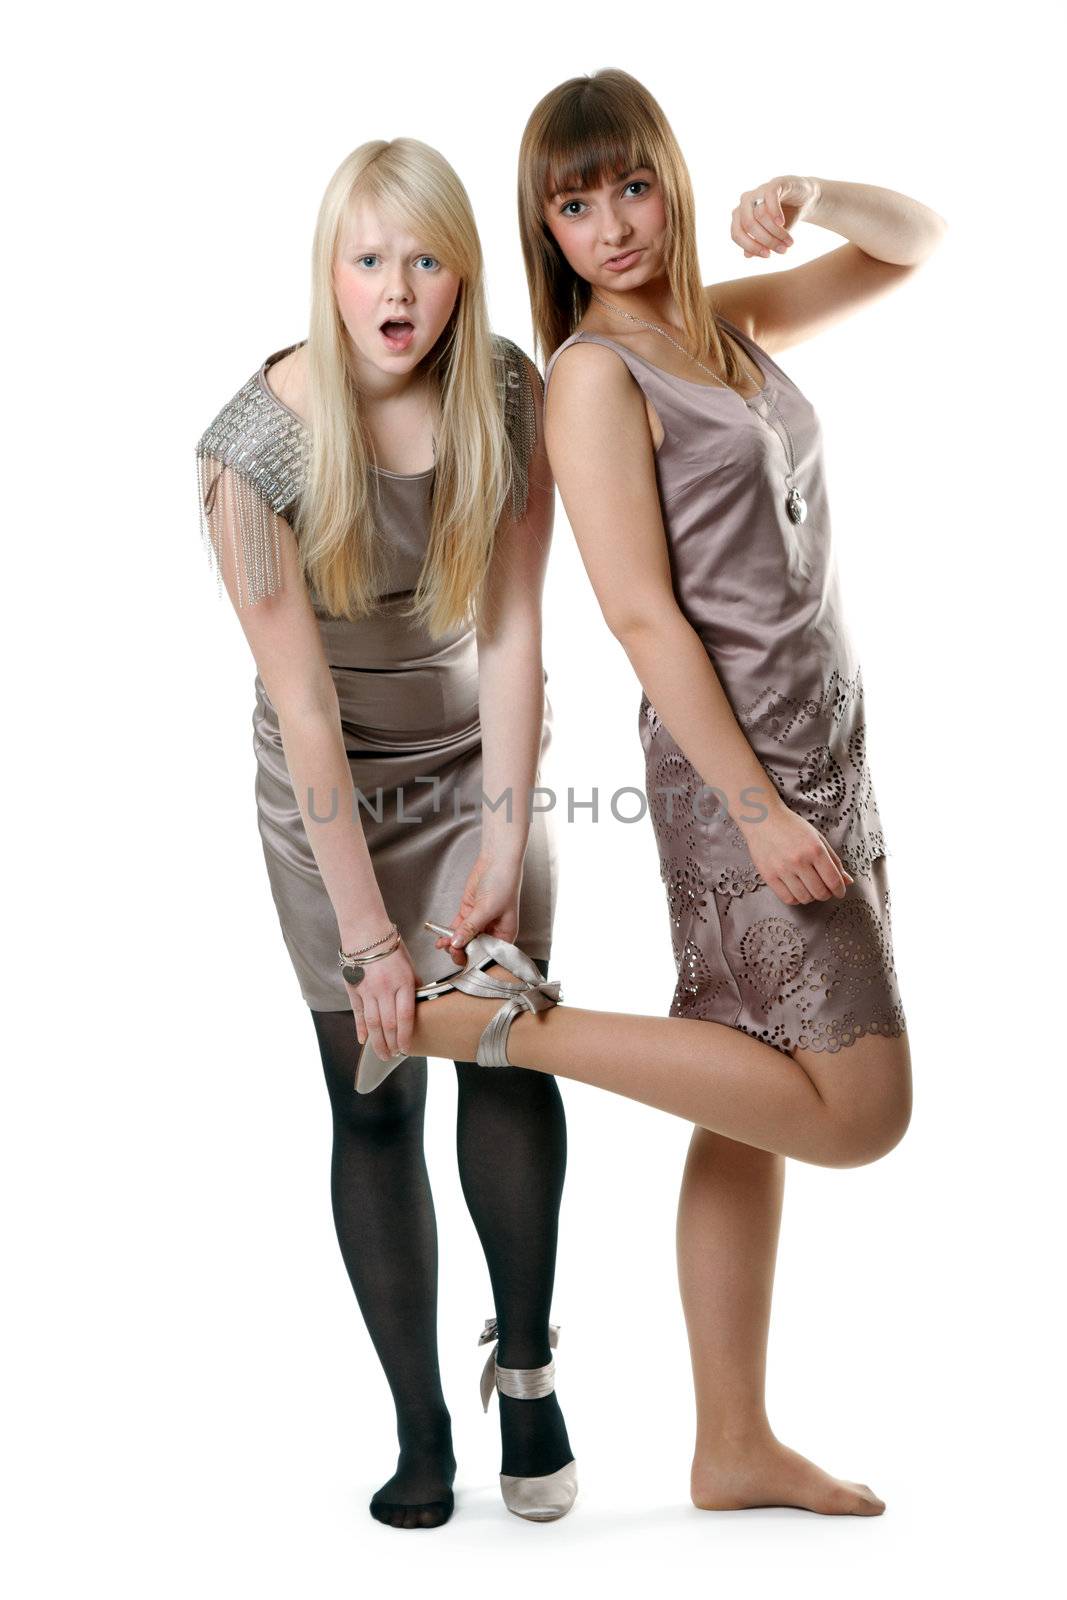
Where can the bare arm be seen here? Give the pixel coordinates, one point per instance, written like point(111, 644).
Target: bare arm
point(890, 235)
point(283, 634)
point(511, 690)
point(510, 669)
point(601, 451)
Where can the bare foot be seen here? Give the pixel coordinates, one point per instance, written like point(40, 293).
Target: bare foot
point(768, 1473)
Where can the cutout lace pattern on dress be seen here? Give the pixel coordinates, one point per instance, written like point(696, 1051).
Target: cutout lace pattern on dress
point(816, 976)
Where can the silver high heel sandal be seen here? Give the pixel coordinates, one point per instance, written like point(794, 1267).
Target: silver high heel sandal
point(531, 993)
point(542, 1499)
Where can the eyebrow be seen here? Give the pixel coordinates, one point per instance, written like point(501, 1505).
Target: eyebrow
point(561, 194)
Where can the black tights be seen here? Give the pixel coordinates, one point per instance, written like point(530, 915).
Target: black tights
point(512, 1144)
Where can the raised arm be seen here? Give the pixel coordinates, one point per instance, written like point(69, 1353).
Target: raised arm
point(600, 447)
point(889, 236)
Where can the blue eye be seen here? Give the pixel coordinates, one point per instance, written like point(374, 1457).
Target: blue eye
point(430, 263)
point(362, 260)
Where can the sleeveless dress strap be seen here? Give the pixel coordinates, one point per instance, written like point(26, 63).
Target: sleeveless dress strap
point(653, 383)
point(557, 352)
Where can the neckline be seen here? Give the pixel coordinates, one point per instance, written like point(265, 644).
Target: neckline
point(690, 383)
point(261, 376)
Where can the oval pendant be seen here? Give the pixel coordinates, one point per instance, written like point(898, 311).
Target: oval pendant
point(796, 506)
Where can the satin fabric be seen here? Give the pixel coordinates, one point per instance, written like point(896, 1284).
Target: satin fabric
point(409, 711)
point(762, 593)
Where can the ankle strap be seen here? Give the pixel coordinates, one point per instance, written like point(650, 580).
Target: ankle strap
point(518, 1383)
point(526, 1383)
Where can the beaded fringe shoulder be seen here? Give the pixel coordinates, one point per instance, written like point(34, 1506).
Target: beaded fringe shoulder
point(252, 465)
point(520, 415)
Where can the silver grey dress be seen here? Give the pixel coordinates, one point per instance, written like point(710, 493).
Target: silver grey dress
point(762, 593)
point(408, 702)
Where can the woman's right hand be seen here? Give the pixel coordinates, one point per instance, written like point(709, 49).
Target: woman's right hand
point(384, 1003)
point(793, 858)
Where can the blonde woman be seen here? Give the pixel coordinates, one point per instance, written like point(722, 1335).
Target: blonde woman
point(691, 469)
point(377, 503)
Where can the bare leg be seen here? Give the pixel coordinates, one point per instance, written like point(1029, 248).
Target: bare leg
point(834, 1109)
point(728, 1218)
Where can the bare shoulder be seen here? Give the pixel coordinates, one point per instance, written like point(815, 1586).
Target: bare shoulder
point(287, 379)
point(586, 370)
point(595, 410)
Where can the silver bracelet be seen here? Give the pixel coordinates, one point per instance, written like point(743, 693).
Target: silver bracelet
point(352, 971)
point(380, 940)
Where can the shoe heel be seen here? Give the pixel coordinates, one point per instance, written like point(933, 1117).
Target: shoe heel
point(531, 993)
point(371, 1070)
point(550, 1497)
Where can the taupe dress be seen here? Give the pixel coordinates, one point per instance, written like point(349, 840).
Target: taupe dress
point(762, 592)
point(408, 702)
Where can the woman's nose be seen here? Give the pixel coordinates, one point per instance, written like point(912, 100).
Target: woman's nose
point(616, 229)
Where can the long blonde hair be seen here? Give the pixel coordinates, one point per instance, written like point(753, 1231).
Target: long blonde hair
point(340, 544)
point(588, 131)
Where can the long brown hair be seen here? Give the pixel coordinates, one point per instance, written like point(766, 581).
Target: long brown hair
point(584, 132)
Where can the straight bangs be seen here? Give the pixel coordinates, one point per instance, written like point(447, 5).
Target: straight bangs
point(430, 203)
point(585, 132)
point(581, 154)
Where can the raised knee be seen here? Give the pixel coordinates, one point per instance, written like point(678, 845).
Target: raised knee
point(871, 1133)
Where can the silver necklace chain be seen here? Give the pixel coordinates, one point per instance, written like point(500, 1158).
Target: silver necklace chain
point(794, 500)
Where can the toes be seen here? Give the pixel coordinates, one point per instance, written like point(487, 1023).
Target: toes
point(399, 1516)
point(864, 1499)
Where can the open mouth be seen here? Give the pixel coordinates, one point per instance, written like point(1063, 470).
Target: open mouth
point(398, 332)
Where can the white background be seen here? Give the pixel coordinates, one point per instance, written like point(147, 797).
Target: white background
point(194, 1406)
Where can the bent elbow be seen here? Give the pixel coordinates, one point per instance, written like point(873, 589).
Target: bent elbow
point(310, 705)
point(634, 625)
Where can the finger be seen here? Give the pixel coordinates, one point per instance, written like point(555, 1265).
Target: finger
point(782, 890)
point(374, 1029)
point(405, 1016)
point(387, 1013)
point(832, 873)
point(846, 876)
point(796, 885)
point(768, 218)
point(464, 933)
point(763, 237)
point(811, 875)
point(741, 236)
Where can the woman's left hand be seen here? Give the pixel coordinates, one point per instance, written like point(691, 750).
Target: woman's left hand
point(490, 904)
point(759, 229)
